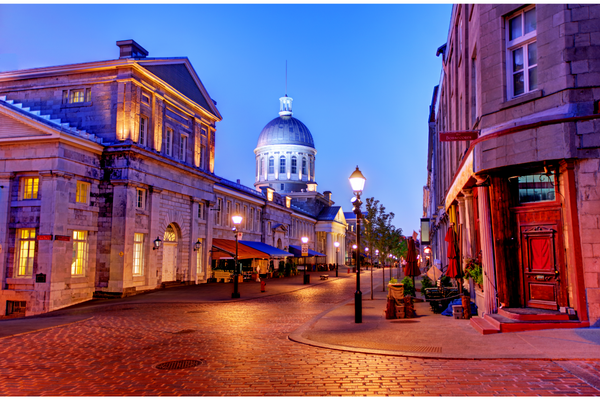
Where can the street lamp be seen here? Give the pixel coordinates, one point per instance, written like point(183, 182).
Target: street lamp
point(357, 181)
point(337, 251)
point(354, 247)
point(157, 243)
point(305, 246)
point(237, 220)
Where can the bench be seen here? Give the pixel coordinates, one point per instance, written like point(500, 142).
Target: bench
point(219, 274)
point(323, 277)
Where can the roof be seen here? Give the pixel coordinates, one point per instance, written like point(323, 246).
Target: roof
point(225, 248)
point(265, 248)
point(285, 130)
point(328, 213)
point(349, 215)
point(240, 187)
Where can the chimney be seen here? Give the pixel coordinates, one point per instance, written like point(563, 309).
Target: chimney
point(238, 182)
point(131, 49)
point(327, 195)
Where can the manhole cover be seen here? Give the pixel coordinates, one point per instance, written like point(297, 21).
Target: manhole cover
point(403, 320)
point(179, 364)
point(184, 331)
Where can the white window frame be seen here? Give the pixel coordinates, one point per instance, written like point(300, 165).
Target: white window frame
point(282, 165)
point(523, 42)
point(218, 211)
point(140, 198)
point(271, 165)
point(25, 252)
point(82, 192)
point(80, 253)
point(201, 211)
point(25, 194)
point(143, 134)
point(228, 213)
point(138, 254)
point(169, 141)
point(183, 141)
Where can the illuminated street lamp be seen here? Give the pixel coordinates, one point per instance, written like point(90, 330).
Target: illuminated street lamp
point(354, 247)
point(357, 181)
point(237, 220)
point(337, 251)
point(305, 246)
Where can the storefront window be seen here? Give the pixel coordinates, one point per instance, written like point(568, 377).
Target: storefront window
point(539, 187)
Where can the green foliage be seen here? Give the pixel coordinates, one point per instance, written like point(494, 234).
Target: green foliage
point(474, 270)
point(379, 233)
point(393, 280)
point(409, 289)
point(426, 283)
point(445, 281)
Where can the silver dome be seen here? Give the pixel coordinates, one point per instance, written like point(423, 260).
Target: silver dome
point(285, 130)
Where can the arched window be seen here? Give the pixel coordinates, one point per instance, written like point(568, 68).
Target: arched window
point(294, 167)
point(170, 234)
point(271, 165)
point(282, 165)
point(303, 166)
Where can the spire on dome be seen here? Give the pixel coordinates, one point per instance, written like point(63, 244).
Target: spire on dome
point(285, 106)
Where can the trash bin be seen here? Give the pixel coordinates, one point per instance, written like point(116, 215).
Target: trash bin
point(306, 279)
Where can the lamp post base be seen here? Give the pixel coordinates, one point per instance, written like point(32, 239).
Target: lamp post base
point(235, 294)
point(358, 307)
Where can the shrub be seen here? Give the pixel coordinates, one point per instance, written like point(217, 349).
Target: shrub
point(426, 283)
point(409, 289)
point(445, 281)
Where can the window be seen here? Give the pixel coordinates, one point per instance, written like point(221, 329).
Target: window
point(522, 52)
point(271, 165)
point(201, 211)
point(294, 165)
point(145, 99)
point(29, 188)
point(199, 259)
point(258, 219)
point(183, 147)
point(304, 166)
point(473, 91)
point(26, 252)
point(282, 186)
point(246, 217)
point(262, 166)
point(77, 96)
point(228, 214)
point(140, 199)
point(282, 165)
point(538, 187)
point(80, 253)
point(202, 155)
point(251, 223)
point(143, 130)
point(169, 142)
point(218, 213)
point(82, 192)
point(138, 254)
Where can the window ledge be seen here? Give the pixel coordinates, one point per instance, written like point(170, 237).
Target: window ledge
point(81, 104)
point(524, 98)
point(26, 203)
point(26, 280)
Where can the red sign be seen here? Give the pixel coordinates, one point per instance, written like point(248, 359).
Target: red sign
point(62, 238)
point(44, 237)
point(456, 136)
point(304, 249)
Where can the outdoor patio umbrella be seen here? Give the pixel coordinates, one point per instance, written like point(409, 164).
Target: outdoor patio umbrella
point(411, 268)
point(453, 270)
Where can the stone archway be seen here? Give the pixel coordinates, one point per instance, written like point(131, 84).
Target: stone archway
point(169, 263)
point(279, 244)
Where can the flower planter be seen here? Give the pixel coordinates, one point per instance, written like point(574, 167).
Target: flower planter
point(479, 301)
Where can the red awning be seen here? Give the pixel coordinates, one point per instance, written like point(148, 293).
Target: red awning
point(224, 248)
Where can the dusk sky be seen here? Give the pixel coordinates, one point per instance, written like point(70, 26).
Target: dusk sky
point(361, 76)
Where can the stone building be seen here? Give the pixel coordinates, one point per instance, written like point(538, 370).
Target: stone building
point(514, 159)
point(107, 183)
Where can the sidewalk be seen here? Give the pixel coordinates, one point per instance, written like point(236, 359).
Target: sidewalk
point(427, 336)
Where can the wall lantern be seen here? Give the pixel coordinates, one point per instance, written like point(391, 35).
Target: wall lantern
point(157, 243)
point(197, 245)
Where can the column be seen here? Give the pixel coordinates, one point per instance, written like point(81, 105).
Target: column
point(152, 255)
point(193, 238)
point(487, 251)
point(5, 180)
point(328, 247)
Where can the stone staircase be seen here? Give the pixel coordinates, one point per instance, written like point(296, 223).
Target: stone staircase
point(64, 126)
point(520, 320)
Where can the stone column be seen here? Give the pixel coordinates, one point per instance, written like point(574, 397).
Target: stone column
point(153, 257)
point(193, 238)
point(210, 221)
point(487, 251)
point(5, 181)
point(120, 273)
point(328, 247)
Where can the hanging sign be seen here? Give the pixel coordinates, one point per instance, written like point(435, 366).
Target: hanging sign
point(62, 238)
point(457, 136)
point(44, 237)
point(304, 249)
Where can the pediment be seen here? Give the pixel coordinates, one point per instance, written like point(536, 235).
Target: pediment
point(15, 127)
point(280, 228)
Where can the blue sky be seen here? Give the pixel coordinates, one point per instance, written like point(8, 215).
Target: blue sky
point(361, 77)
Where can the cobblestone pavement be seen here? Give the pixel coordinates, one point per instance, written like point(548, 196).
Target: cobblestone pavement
point(244, 350)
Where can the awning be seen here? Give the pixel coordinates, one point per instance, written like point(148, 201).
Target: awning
point(265, 248)
point(224, 248)
point(297, 251)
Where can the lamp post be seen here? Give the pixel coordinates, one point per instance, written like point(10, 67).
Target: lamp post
point(237, 220)
point(305, 254)
point(391, 264)
point(357, 181)
point(337, 251)
point(355, 254)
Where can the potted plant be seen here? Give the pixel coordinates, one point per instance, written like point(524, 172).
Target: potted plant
point(474, 270)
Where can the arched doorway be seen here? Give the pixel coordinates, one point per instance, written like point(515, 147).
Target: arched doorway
point(279, 244)
point(169, 265)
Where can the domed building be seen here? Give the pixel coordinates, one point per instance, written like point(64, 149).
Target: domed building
point(285, 154)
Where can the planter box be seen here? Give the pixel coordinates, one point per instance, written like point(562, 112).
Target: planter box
point(479, 302)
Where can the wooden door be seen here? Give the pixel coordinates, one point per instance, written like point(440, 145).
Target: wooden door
point(169, 261)
point(542, 267)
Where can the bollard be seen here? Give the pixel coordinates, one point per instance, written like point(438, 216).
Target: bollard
point(262, 286)
point(348, 270)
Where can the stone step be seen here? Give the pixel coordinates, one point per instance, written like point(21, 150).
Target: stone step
point(537, 316)
point(483, 326)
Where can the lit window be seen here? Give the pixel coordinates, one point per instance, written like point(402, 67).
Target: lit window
point(199, 260)
point(539, 187)
point(271, 165)
point(140, 200)
point(29, 188)
point(77, 96)
point(169, 142)
point(80, 253)
point(26, 252)
point(82, 192)
point(138, 254)
point(521, 51)
point(282, 165)
point(294, 165)
point(143, 130)
point(183, 147)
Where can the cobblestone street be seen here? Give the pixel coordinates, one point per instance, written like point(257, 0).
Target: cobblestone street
point(244, 349)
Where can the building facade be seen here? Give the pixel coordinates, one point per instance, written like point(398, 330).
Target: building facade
point(107, 183)
point(514, 155)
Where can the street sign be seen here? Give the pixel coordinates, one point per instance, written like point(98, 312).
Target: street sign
point(304, 249)
point(457, 136)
